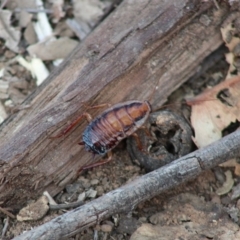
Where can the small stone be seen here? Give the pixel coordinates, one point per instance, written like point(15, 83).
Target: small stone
point(94, 182)
point(226, 200)
point(142, 219)
point(99, 174)
point(115, 186)
point(100, 190)
point(34, 211)
point(73, 188)
point(91, 193)
point(127, 225)
point(84, 182)
point(82, 196)
point(216, 199)
point(97, 227)
point(106, 228)
point(132, 168)
point(205, 20)
point(105, 181)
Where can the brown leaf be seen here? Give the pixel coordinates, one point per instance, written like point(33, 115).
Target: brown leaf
point(7, 32)
point(53, 49)
point(214, 110)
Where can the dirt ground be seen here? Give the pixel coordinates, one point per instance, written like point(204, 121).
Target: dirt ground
point(200, 209)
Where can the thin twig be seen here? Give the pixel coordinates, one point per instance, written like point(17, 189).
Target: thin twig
point(4, 230)
point(7, 213)
point(66, 205)
point(216, 4)
point(50, 199)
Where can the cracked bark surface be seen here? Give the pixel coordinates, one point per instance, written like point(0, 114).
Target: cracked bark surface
point(139, 45)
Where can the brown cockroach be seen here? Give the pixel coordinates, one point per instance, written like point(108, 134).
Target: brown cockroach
point(113, 125)
point(109, 128)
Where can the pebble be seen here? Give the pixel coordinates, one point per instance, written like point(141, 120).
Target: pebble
point(85, 182)
point(105, 181)
point(94, 182)
point(100, 190)
point(127, 225)
point(82, 196)
point(142, 219)
point(72, 188)
point(132, 168)
point(106, 228)
point(34, 211)
point(216, 199)
point(91, 193)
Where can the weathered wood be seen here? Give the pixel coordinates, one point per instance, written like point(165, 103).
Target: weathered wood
point(124, 199)
point(139, 45)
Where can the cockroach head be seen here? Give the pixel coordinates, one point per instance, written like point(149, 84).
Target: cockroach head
point(100, 150)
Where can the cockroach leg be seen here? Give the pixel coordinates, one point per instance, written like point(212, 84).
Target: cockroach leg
point(146, 130)
point(73, 124)
point(99, 106)
point(102, 105)
point(138, 141)
point(84, 115)
point(98, 163)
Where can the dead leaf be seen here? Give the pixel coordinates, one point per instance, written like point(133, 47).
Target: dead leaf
point(7, 32)
point(24, 19)
point(21, 4)
point(229, 163)
point(57, 7)
point(227, 185)
point(214, 110)
point(53, 49)
point(30, 35)
point(232, 41)
point(63, 30)
point(89, 11)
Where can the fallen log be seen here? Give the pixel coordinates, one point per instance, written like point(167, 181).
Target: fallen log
point(124, 199)
point(140, 45)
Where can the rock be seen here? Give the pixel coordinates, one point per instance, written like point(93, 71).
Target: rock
point(106, 228)
point(34, 211)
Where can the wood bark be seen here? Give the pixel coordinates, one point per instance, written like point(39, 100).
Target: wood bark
point(124, 199)
point(140, 45)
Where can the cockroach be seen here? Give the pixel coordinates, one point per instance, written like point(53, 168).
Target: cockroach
point(109, 128)
point(116, 123)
